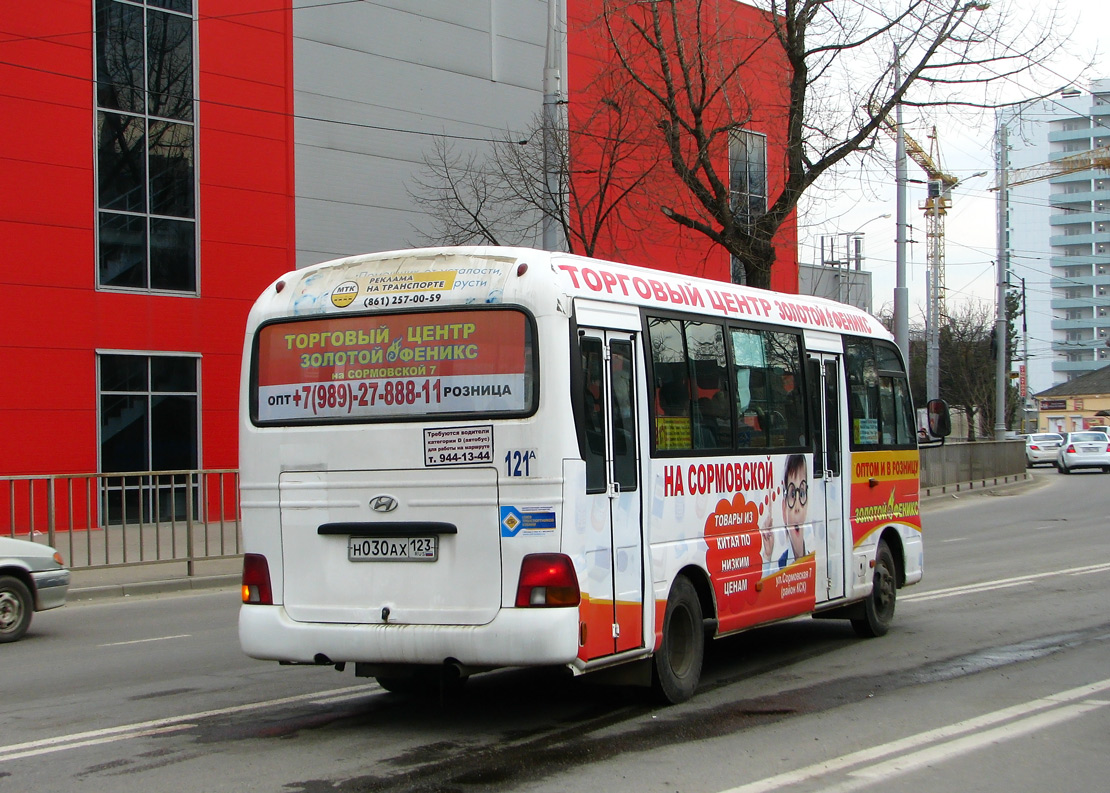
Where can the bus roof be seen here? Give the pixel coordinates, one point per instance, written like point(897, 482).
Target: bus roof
point(474, 275)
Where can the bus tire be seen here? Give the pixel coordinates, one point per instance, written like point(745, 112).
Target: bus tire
point(16, 608)
point(878, 609)
point(677, 663)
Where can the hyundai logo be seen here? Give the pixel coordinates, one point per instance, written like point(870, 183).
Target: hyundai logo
point(383, 503)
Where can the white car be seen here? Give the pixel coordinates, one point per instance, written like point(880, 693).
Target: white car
point(1088, 449)
point(1042, 448)
point(33, 578)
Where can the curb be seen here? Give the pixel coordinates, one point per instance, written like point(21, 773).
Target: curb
point(197, 583)
point(992, 484)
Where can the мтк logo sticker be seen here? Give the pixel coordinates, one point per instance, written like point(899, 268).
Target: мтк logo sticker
point(344, 294)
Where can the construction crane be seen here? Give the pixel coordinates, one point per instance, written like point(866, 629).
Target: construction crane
point(936, 204)
point(938, 200)
point(1081, 161)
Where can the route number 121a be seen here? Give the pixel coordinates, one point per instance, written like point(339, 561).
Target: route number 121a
point(518, 462)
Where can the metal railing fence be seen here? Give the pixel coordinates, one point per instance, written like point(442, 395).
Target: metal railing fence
point(134, 517)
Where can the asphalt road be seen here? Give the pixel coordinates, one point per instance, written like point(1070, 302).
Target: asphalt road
point(996, 676)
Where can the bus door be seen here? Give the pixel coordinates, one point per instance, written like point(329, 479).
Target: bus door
point(826, 498)
point(613, 615)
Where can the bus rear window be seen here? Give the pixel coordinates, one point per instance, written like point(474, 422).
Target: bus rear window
point(394, 367)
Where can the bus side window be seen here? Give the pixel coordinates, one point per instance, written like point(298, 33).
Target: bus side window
point(593, 414)
point(671, 403)
point(880, 412)
point(622, 381)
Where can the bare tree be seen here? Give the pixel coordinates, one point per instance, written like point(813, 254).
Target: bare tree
point(967, 368)
point(706, 67)
point(499, 196)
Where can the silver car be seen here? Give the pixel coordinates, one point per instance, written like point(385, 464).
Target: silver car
point(1041, 448)
point(1084, 450)
point(33, 578)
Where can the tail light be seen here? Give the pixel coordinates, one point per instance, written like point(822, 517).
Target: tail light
point(1070, 449)
point(1034, 447)
point(256, 580)
point(547, 579)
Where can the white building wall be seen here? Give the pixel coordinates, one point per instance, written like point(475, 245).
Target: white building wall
point(375, 81)
point(1028, 232)
point(1059, 234)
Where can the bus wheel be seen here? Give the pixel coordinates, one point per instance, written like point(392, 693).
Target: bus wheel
point(677, 666)
point(878, 609)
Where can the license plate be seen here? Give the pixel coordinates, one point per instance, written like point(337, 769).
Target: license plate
point(393, 549)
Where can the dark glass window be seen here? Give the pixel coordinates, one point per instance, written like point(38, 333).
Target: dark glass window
point(622, 382)
point(148, 412)
point(119, 56)
point(747, 175)
point(593, 418)
point(770, 403)
point(880, 413)
point(170, 153)
point(122, 250)
point(149, 421)
point(718, 388)
point(169, 48)
point(146, 172)
point(121, 162)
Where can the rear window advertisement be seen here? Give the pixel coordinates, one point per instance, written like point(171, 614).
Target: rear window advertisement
point(352, 368)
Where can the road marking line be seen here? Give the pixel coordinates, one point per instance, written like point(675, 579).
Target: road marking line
point(866, 777)
point(78, 738)
point(912, 742)
point(1001, 583)
point(144, 641)
point(123, 736)
point(343, 697)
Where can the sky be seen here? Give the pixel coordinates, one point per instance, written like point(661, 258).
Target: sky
point(970, 228)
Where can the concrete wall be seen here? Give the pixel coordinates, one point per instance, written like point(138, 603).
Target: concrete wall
point(957, 463)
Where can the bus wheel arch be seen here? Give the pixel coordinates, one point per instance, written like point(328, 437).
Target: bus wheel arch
point(889, 574)
point(677, 664)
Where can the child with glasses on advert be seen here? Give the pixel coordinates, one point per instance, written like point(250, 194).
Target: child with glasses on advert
point(795, 500)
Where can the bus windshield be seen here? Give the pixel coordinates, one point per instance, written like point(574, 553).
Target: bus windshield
point(392, 367)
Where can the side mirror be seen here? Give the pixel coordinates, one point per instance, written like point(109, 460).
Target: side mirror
point(940, 420)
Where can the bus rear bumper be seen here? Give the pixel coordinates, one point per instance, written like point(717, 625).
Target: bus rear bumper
point(515, 637)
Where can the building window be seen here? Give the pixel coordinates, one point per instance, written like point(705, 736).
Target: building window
point(145, 145)
point(747, 154)
point(149, 421)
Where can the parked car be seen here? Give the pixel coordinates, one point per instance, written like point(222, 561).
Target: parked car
point(1100, 428)
point(1042, 447)
point(1087, 449)
point(33, 578)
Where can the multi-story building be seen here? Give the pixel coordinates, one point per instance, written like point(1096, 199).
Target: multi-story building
point(1058, 233)
point(162, 161)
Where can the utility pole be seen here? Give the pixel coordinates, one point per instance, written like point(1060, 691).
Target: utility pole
point(1024, 362)
point(901, 292)
point(552, 98)
point(1002, 362)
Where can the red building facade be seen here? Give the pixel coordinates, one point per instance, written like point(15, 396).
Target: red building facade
point(150, 191)
point(66, 312)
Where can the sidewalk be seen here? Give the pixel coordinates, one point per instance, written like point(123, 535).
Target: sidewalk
point(100, 583)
